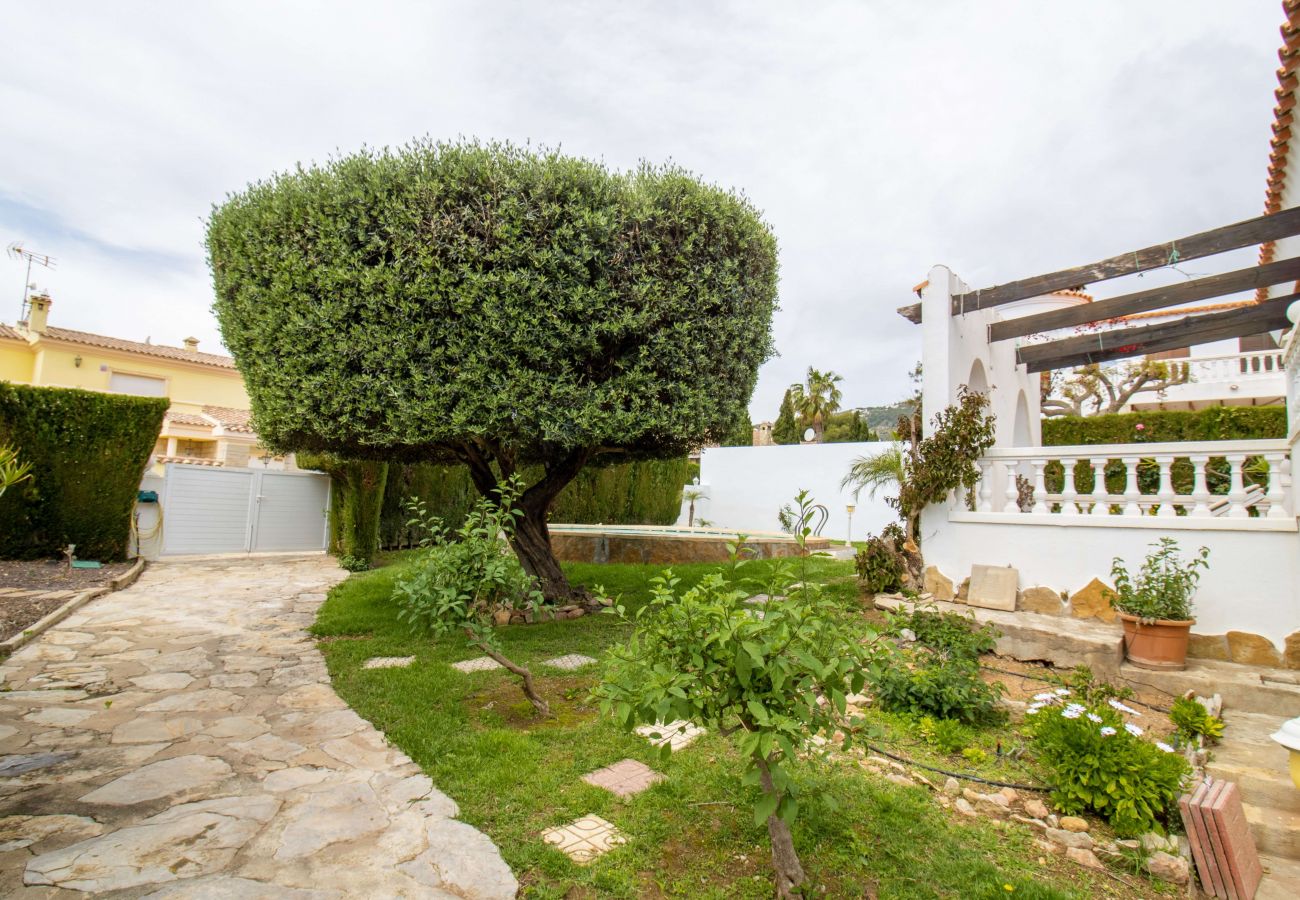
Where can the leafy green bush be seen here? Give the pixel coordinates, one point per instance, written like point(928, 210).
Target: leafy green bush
point(88, 452)
point(879, 565)
point(925, 682)
point(460, 585)
point(1163, 587)
point(1194, 721)
point(1224, 423)
point(1100, 762)
point(940, 674)
point(950, 633)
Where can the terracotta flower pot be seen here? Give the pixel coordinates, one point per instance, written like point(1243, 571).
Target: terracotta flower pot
point(1161, 644)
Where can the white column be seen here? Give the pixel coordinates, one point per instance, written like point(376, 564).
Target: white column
point(1237, 492)
point(1166, 492)
point(1200, 491)
point(1099, 507)
point(985, 486)
point(1277, 486)
point(1012, 491)
point(1131, 493)
point(1069, 490)
point(1040, 486)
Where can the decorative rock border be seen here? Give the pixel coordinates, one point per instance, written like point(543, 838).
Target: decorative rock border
point(40, 626)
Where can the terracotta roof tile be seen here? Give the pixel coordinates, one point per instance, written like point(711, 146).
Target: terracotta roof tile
point(231, 419)
point(1185, 311)
point(10, 333)
point(160, 350)
point(1289, 55)
point(183, 418)
point(188, 460)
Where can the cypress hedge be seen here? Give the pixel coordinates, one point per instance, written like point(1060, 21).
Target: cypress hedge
point(645, 492)
point(1223, 423)
point(88, 452)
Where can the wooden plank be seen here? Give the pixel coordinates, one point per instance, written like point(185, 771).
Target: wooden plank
point(1207, 243)
point(911, 313)
point(1121, 343)
point(1144, 301)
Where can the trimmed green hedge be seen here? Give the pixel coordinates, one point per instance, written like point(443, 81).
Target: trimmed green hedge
point(88, 452)
point(1224, 423)
point(646, 492)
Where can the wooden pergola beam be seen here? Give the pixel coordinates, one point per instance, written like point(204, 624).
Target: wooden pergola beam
point(1145, 301)
point(1207, 243)
point(1121, 343)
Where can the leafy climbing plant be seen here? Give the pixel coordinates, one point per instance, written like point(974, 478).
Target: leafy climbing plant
point(773, 679)
point(464, 579)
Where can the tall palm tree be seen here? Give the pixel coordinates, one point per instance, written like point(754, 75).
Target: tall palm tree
point(816, 399)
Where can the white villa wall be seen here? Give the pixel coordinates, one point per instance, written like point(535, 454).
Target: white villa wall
point(1252, 584)
point(746, 486)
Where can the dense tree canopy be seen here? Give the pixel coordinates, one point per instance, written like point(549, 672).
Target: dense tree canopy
point(497, 306)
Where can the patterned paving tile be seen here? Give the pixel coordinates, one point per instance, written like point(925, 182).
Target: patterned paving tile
point(569, 662)
point(582, 840)
point(625, 778)
point(388, 662)
point(482, 664)
point(677, 734)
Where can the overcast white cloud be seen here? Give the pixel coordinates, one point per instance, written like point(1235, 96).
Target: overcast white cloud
point(1002, 138)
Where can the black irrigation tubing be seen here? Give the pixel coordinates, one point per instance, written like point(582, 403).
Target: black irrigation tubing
point(1050, 681)
point(961, 775)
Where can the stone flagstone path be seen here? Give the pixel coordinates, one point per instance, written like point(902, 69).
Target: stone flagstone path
point(181, 739)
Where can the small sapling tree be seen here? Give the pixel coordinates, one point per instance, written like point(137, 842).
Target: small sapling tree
point(13, 471)
point(462, 585)
point(775, 677)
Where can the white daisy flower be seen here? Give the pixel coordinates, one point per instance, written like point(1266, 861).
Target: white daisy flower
point(1165, 747)
point(1132, 729)
point(1044, 698)
point(1107, 731)
point(1093, 717)
point(1115, 704)
point(1033, 710)
point(1071, 713)
point(1062, 692)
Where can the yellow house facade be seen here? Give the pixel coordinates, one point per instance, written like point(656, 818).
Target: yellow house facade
point(209, 420)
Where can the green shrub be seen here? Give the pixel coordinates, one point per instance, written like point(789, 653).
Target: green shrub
point(1100, 762)
point(88, 452)
point(945, 735)
point(950, 633)
point(939, 675)
point(1224, 423)
point(879, 566)
point(1194, 721)
point(925, 682)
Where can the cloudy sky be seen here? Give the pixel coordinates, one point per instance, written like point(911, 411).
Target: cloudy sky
point(1004, 139)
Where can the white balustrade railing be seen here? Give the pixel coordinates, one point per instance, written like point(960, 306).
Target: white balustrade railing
point(1235, 366)
point(1236, 479)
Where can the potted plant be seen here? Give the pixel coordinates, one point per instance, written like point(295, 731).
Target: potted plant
point(1155, 605)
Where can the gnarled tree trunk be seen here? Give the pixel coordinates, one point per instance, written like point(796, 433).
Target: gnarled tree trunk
point(531, 539)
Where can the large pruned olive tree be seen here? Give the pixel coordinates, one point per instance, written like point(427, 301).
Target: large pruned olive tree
point(497, 306)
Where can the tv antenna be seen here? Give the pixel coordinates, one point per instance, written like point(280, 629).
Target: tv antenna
point(16, 250)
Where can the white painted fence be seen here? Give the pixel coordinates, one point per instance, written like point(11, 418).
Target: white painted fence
point(998, 491)
point(743, 488)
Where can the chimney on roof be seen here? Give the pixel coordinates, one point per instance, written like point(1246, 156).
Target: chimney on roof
point(38, 312)
point(191, 344)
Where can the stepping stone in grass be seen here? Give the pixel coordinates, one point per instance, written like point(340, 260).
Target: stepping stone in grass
point(569, 662)
point(763, 598)
point(482, 664)
point(388, 662)
point(582, 840)
point(677, 734)
point(625, 778)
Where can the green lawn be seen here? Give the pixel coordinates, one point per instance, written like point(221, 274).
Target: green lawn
point(690, 836)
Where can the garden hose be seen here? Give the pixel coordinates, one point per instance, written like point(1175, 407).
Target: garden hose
point(153, 532)
point(961, 775)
